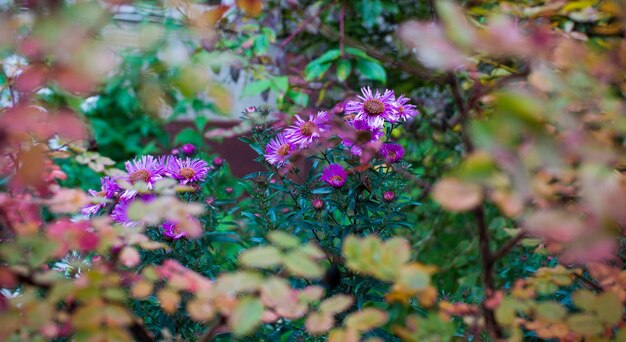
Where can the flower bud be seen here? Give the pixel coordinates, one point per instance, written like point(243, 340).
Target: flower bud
point(318, 204)
point(389, 196)
point(188, 149)
point(229, 190)
point(218, 161)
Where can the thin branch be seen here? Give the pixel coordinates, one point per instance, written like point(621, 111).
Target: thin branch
point(589, 282)
point(507, 247)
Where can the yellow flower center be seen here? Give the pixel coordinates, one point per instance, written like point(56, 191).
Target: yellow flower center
point(374, 107)
point(307, 129)
point(140, 175)
point(336, 179)
point(283, 150)
point(187, 172)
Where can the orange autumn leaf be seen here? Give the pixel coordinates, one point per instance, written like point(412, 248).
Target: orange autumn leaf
point(212, 16)
point(251, 8)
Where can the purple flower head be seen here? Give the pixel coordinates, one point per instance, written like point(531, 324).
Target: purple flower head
point(404, 110)
point(108, 190)
point(188, 149)
point(374, 108)
point(171, 230)
point(392, 152)
point(120, 213)
point(187, 170)
point(334, 175)
point(278, 150)
point(362, 135)
point(147, 169)
point(304, 133)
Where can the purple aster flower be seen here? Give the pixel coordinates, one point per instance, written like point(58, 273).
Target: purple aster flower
point(187, 170)
point(404, 111)
point(392, 152)
point(147, 169)
point(278, 150)
point(374, 108)
point(120, 213)
point(171, 230)
point(362, 135)
point(108, 190)
point(334, 175)
point(304, 133)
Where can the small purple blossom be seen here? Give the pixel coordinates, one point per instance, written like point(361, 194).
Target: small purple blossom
point(404, 111)
point(187, 170)
point(188, 149)
point(334, 175)
point(278, 150)
point(362, 135)
point(171, 230)
point(392, 152)
point(374, 108)
point(217, 161)
point(304, 133)
point(147, 169)
point(108, 190)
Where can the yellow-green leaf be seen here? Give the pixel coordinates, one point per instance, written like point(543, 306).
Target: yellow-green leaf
point(261, 257)
point(246, 316)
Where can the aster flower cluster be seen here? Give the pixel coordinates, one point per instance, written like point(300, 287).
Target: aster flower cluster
point(148, 170)
point(365, 118)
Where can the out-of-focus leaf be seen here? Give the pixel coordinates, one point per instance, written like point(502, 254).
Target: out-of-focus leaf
point(371, 70)
point(262, 257)
point(456, 195)
point(246, 316)
point(251, 8)
point(336, 304)
point(366, 319)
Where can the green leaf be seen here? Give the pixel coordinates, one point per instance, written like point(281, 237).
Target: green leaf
point(315, 70)
point(584, 324)
point(189, 136)
point(551, 312)
point(246, 316)
point(261, 257)
point(255, 88)
point(344, 68)
point(371, 70)
point(280, 84)
point(609, 308)
point(261, 45)
point(329, 56)
point(299, 98)
point(358, 53)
